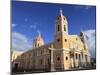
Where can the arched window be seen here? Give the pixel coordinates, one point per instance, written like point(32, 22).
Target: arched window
point(48, 61)
point(40, 61)
point(76, 56)
point(64, 27)
point(76, 39)
point(35, 44)
point(58, 58)
point(58, 18)
point(66, 58)
point(38, 44)
point(58, 27)
point(58, 40)
point(65, 40)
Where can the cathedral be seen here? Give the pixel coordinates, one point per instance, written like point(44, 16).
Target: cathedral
point(66, 52)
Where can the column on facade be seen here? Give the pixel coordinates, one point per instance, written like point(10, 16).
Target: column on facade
point(88, 58)
point(78, 60)
point(84, 60)
point(81, 60)
point(44, 59)
point(52, 63)
point(74, 59)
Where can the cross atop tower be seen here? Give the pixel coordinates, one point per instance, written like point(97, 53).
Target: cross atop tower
point(61, 12)
point(39, 34)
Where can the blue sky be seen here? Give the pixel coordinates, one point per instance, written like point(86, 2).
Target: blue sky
point(30, 17)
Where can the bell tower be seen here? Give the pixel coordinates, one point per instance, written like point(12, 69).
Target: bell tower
point(61, 30)
point(61, 24)
point(61, 43)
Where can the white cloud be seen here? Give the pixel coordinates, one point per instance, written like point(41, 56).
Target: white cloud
point(90, 37)
point(85, 8)
point(26, 19)
point(88, 7)
point(20, 42)
point(14, 25)
point(33, 26)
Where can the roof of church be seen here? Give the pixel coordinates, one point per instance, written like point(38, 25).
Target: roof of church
point(44, 46)
point(17, 52)
point(73, 36)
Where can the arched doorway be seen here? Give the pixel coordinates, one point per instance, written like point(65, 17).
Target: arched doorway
point(15, 66)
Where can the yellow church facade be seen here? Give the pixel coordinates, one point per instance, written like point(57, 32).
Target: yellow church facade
point(66, 52)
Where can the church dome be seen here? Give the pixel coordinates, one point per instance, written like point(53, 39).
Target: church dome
point(38, 41)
